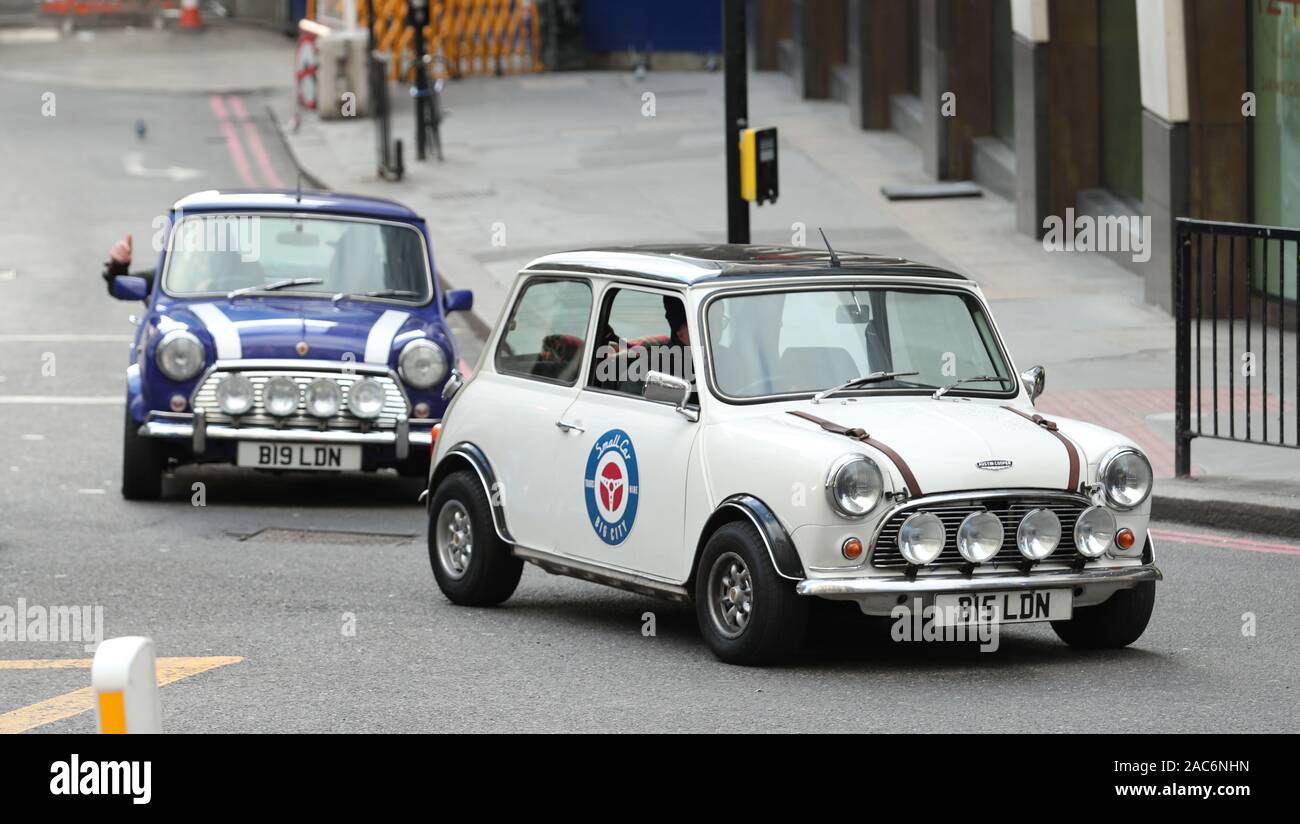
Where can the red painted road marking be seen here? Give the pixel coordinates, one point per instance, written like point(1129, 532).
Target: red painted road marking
point(236, 149)
point(255, 143)
point(1224, 542)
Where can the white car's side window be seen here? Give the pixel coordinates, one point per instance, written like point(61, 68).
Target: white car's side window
point(640, 332)
point(546, 335)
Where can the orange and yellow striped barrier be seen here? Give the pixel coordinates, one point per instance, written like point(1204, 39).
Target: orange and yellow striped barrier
point(464, 37)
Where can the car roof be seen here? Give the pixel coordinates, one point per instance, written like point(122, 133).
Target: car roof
point(698, 263)
point(292, 200)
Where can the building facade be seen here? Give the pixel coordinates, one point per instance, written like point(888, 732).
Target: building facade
point(1133, 108)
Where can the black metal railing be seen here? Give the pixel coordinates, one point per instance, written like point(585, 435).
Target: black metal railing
point(1236, 310)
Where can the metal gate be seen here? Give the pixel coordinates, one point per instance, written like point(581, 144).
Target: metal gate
point(1236, 316)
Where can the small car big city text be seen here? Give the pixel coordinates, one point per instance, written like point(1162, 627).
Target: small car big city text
point(751, 427)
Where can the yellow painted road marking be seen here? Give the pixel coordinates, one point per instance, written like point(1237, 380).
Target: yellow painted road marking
point(76, 702)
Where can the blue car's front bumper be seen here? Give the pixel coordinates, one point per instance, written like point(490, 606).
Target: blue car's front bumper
point(206, 440)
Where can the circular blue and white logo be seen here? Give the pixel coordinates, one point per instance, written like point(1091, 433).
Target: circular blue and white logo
point(612, 486)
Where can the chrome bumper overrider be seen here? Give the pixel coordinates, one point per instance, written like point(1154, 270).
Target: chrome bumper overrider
point(197, 432)
point(852, 588)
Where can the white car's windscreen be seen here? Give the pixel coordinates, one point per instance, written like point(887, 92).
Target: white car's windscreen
point(801, 341)
point(223, 253)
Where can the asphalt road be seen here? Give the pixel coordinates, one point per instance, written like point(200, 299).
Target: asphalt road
point(261, 573)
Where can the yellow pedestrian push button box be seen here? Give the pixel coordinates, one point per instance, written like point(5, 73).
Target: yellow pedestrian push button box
point(758, 177)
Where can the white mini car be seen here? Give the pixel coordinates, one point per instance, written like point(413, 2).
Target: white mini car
point(751, 427)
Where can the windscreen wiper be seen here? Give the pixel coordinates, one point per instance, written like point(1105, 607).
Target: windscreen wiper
point(874, 377)
point(271, 287)
point(943, 390)
point(378, 293)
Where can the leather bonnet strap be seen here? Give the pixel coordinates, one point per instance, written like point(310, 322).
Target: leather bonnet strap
point(913, 488)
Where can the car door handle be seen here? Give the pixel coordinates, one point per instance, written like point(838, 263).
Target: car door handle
point(569, 427)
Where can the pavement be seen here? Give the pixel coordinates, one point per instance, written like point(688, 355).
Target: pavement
point(308, 602)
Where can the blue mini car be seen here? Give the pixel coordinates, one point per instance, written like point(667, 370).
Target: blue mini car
point(286, 331)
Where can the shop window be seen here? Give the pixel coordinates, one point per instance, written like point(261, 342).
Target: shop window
point(1004, 93)
point(1121, 100)
point(1276, 82)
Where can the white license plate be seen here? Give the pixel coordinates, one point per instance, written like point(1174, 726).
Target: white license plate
point(965, 608)
point(337, 457)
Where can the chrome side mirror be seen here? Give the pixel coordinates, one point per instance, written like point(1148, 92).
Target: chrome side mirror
point(454, 382)
point(665, 388)
point(1035, 380)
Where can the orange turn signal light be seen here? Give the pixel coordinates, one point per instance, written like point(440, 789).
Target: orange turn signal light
point(1124, 538)
point(852, 549)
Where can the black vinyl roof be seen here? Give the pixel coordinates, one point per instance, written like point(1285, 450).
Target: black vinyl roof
point(694, 263)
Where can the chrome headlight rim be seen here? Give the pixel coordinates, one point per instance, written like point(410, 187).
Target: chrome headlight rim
point(354, 406)
point(335, 396)
point(269, 387)
point(1104, 467)
point(416, 381)
point(963, 543)
point(222, 394)
point(908, 550)
point(841, 464)
point(168, 341)
point(1081, 543)
point(1023, 543)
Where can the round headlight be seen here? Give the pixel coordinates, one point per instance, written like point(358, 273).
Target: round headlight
point(854, 485)
point(180, 355)
point(280, 397)
point(422, 363)
point(979, 537)
point(323, 398)
point(1094, 531)
point(921, 538)
point(1039, 534)
point(235, 395)
point(1125, 478)
point(366, 398)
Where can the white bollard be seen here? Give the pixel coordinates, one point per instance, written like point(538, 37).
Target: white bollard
point(125, 682)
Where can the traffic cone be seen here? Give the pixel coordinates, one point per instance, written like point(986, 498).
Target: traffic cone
point(190, 17)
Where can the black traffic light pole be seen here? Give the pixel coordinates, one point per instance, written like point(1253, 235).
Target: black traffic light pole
point(737, 114)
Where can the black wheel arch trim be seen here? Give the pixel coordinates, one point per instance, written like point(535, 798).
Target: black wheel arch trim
point(780, 546)
point(472, 454)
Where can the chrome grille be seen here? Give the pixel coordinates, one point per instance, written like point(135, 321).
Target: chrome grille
point(1010, 510)
point(395, 406)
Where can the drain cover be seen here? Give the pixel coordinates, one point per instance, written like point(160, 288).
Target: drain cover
point(277, 535)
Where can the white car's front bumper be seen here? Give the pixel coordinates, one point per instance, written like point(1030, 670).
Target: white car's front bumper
point(854, 589)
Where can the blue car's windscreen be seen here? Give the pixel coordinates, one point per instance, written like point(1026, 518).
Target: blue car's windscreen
point(219, 254)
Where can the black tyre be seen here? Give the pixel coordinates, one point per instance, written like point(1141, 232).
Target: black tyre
point(1116, 622)
point(747, 613)
point(416, 466)
point(472, 565)
point(143, 462)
